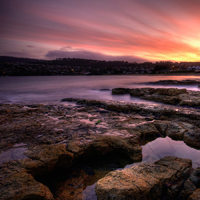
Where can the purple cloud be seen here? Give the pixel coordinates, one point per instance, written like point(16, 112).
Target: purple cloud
point(91, 55)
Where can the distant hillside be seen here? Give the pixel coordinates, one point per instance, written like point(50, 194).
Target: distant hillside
point(12, 66)
point(25, 60)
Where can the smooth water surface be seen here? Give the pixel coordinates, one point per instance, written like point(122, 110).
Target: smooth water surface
point(161, 147)
point(17, 152)
point(51, 89)
point(154, 151)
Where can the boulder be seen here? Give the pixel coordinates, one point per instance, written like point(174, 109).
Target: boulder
point(145, 181)
point(139, 92)
point(175, 130)
point(156, 91)
point(188, 101)
point(120, 91)
point(147, 132)
point(192, 138)
point(189, 133)
point(191, 184)
point(107, 144)
point(169, 91)
point(44, 158)
point(162, 126)
point(16, 184)
point(195, 195)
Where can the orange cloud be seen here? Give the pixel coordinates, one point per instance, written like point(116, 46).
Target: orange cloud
point(149, 29)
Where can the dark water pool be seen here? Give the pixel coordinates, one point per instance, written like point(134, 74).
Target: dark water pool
point(81, 185)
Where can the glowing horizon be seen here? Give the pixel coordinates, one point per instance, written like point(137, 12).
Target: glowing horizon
point(132, 30)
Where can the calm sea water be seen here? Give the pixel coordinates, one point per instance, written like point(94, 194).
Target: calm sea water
point(51, 89)
point(153, 151)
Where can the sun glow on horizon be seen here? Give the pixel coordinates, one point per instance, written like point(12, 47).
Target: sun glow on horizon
point(155, 31)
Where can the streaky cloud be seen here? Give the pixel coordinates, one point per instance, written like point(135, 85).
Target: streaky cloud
point(147, 29)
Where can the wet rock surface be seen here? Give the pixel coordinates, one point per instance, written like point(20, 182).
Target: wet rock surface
point(195, 195)
point(53, 138)
point(191, 184)
point(161, 180)
point(16, 183)
point(172, 96)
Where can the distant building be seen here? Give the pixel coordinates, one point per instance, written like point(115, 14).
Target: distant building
point(194, 68)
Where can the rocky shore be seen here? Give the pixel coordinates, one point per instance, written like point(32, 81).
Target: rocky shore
point(167, 178)
point(174, 96)
point(49, 151)
point(175, 82)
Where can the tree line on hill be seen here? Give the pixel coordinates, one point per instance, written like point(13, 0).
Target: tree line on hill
point(12, 66)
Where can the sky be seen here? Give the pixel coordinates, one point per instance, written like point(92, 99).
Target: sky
point(129, 30)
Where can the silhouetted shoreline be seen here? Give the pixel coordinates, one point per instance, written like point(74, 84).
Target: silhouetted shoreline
point(11, 66)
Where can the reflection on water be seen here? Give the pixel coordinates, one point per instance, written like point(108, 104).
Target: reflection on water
point(17, 152)
point(80, 180)
point(54, 88)
point(51, 89)
point(161, 147)
point(82, 186)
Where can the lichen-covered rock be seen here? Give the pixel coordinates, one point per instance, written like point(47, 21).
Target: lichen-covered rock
point(145, 181)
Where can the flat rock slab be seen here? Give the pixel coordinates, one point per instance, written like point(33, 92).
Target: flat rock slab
point(58, 136)
point(172, 96)
point(145, 181)
point(12, 154)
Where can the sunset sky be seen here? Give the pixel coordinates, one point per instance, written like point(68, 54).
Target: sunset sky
point(131, 30)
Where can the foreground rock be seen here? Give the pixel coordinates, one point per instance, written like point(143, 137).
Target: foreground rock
point(144, 109)
point(44, 158)
point(190, 134)
point(163, 179)
point(57, 137)
point(191, 185)
point(103, 145)
point(17, 177)
point(172, 96)
point(179, 124)
point(195, 195)
point(17, 184)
